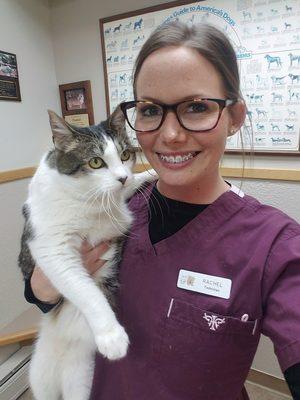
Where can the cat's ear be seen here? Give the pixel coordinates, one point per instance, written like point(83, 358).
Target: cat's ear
point(63, 137)
point(116, 121)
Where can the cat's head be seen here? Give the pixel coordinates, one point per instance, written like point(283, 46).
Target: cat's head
point(97, 157)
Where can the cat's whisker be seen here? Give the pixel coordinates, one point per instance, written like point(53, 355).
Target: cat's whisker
point(89, 195)
point(117, 223)
point(151, 199)
point(109, 215)
point(124, 229)
point(157, 202)
point(157, 206)
point(97, 199)
point(91, 199)
point(90, 190)
point(109, 202)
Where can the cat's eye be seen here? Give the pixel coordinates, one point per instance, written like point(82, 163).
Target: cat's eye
point(96, 163)
point(125, 155)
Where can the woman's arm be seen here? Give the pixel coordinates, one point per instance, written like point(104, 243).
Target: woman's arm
point(292, 376)
point(42, 288)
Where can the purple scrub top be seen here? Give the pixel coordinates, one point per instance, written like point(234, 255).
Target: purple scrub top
point(190, 345)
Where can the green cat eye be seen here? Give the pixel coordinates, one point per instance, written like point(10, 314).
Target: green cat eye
point(125, 155)
point(96, 163)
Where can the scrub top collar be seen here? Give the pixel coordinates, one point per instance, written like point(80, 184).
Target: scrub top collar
point(201, 227)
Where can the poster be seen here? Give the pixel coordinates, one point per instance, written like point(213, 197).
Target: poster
point(266, 37)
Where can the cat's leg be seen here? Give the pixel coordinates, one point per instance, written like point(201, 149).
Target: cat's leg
point(44, 373)
point(77, 372)
point(139, 179)
point(65, 270)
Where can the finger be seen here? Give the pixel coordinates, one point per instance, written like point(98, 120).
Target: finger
point(100, 250)
point(86, 246)
point(94, 256)
point(96, 266)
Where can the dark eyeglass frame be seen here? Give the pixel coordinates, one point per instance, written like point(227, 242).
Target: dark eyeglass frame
point(222, 103)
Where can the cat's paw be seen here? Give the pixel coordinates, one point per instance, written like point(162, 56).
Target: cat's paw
point(113, 343)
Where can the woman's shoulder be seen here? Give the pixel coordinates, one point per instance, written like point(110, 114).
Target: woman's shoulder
point(270, 217)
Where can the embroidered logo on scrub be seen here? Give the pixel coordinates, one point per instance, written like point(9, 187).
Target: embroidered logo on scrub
point(213, 321)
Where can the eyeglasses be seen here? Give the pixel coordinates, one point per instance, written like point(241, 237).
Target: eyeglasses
point(196, 115)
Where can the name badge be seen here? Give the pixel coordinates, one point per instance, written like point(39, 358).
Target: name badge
point(202, 283)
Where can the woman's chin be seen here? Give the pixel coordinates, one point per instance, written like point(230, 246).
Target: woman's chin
point(175, 180)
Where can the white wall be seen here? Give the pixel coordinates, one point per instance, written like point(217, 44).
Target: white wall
point(12, 303)
point(25, 31)
point(24, 130)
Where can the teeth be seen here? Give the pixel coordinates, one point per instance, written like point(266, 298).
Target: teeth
point(177, 159)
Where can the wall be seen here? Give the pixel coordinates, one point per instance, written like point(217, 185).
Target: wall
point(25, 31)
point(24, 129)
point(12, 303)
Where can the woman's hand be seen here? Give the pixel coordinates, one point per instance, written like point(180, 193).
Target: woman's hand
point(91, 258)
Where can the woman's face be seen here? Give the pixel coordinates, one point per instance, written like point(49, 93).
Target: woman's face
point(171, 75)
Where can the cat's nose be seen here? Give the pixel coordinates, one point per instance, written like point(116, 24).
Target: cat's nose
point(123, 179)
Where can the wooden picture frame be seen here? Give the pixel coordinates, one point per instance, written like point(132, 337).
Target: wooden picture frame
point(276, 134)
point(76, 103)
point(9, 77)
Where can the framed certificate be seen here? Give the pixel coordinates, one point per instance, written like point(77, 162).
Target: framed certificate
point(9, 78)
point(76, 103)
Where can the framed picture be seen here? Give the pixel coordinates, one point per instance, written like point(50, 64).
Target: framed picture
point(9, 78)
point(267, 46)
point(76, 103)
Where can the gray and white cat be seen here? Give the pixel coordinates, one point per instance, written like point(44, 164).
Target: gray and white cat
point(78, 192)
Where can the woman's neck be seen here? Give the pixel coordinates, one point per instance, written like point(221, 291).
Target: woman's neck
point(204, 192)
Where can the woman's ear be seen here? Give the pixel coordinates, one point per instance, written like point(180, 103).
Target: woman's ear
point(238, 114)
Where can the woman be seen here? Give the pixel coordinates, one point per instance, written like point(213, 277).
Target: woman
point(212, 268)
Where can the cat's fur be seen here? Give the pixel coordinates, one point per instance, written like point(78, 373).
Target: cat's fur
point(69, 202)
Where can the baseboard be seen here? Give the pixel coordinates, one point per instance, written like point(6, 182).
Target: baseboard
point(268, 381)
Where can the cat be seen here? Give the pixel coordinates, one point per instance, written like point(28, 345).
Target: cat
point(78, 192)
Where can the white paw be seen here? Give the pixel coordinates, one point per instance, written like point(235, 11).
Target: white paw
point(113, 343)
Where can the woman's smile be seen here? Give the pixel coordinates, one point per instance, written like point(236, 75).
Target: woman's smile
point(176, 160)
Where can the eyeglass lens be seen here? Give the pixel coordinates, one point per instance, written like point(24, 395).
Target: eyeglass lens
point(193, 115)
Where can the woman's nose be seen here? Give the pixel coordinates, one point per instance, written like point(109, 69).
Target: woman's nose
point(171, 130)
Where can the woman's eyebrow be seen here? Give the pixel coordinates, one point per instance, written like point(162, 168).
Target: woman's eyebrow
point(189, 97)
